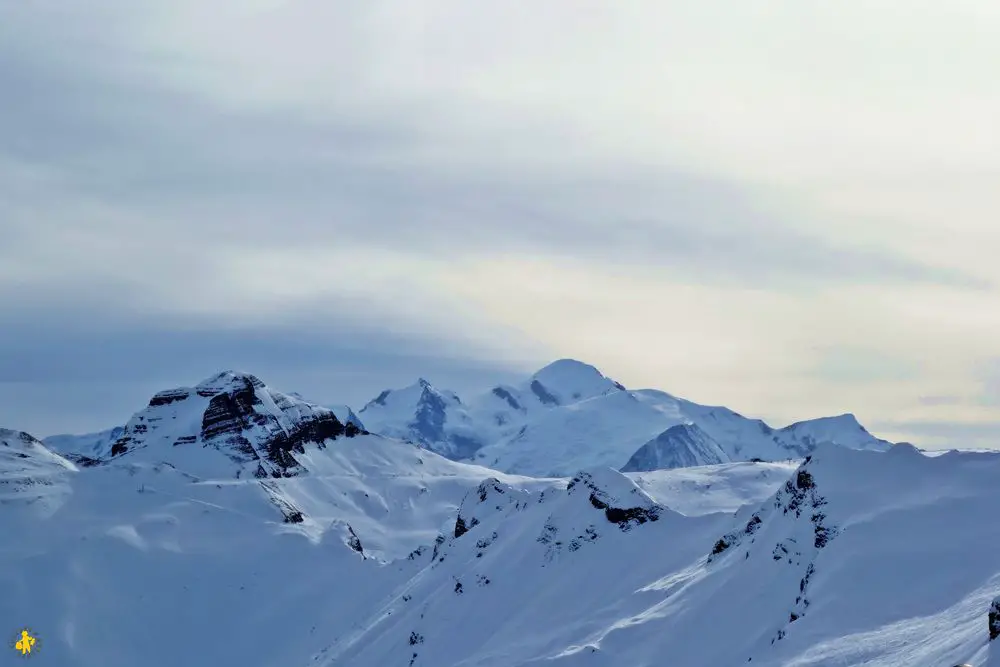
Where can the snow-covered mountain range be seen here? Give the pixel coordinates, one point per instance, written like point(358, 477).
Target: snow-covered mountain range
point(569, 416)
point(231, 523)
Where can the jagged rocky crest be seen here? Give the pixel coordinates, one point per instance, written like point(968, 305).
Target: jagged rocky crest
point(798, 495)
point(796, 521)
point(490, 498)
point(572, 521)
point(238, 415)
point(622, 502)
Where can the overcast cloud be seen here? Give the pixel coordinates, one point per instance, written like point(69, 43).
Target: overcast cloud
point(788, 209)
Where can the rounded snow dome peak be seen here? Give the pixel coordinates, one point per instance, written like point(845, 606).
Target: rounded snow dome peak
point(569, 379)
point(568, 366)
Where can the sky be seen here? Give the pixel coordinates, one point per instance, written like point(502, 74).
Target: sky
point(786, 208)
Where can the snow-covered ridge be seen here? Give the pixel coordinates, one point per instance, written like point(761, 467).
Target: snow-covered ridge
point(565, 417)
point(841, 429)
point(569, 415)
point(821, 573)
point(850, 558)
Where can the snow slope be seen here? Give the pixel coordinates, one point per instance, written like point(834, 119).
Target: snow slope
point(377, 552)
point(694, 491)
point(842, 429)
point(569, 416)
point(311, 468)
point(134, 559)
point(84, 446)
point(33, 479)
point(600, 431)
point(861, 558)
point(680, 446)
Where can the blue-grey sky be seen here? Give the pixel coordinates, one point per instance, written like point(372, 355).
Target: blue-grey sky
point(788, 209)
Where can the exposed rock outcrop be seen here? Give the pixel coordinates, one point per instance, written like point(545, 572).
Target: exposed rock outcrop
point(255, 427)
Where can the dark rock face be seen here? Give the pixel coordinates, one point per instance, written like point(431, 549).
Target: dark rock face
point(624, 517)
point(380, 399)
point(994, 619)
point(230, 412)
point(736, 537)
point(240, 421)
point(500, 392)
point(798, 494)
point(324, 426)
point(539, 390)
point(428, 421)
point(460, 527)
point(83, 461)
point(488, 488)
point(799, 500)
point(354, 542)
point(491, 485)
point(168, 397)
point(429, 426)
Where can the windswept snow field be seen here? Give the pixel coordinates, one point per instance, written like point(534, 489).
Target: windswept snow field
point(232, 524)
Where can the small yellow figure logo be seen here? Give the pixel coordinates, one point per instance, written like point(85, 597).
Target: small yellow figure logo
point(25, 643)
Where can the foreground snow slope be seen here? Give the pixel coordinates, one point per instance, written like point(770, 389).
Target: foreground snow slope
point(569, 415)
point(860, 559)
point(118, 562)
point(141, 562)
point(853, 558)
point(229, 523)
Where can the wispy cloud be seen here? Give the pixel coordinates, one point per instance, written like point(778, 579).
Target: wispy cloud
point(940, 400)
point(946, 434)
point(216, 182)
point(180, 168)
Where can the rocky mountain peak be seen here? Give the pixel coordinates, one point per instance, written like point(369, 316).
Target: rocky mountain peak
point(233, 413)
